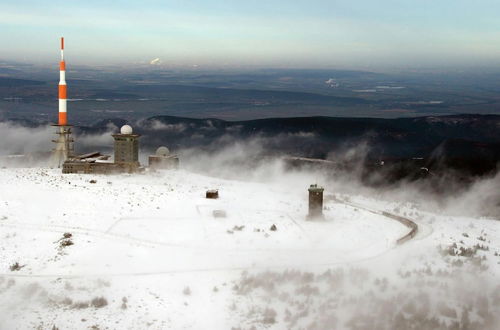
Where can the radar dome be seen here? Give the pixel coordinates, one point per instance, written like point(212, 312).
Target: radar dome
point(126, 129)
point(162, 151)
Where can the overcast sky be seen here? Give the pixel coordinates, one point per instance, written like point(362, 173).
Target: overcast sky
point(293, 33)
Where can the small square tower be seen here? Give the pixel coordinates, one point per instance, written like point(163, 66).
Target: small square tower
point(315, 202)
point(127, 148)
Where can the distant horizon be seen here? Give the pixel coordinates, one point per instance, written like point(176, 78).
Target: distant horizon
point(132, 66)
point(343, 34)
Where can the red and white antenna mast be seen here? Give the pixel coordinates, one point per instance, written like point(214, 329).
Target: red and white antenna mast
point(64, 142)
point(63, 118)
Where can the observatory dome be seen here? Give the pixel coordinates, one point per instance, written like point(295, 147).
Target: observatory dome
point(126, 129)
point(162, 151)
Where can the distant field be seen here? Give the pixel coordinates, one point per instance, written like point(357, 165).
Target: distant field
point(138, 93)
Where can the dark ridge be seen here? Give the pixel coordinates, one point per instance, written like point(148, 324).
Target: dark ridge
point(118, 122)
point(228, 94)
point(15, 82)
point(8, 70)
point(467, 143)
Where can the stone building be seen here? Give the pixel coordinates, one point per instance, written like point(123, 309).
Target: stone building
point(126, 157)
point(315, 202)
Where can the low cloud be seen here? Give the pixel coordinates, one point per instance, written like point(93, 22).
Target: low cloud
point(155, 61)
point(21, 140)
point(31, 146)
point(157, 125)
point(250, 160)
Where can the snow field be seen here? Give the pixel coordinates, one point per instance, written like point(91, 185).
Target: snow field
point(148, 252)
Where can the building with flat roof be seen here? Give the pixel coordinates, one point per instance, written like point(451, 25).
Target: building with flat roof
point(162, 159)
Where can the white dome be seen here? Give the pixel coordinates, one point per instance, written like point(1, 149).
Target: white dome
point(126, 129)
point(162, 151)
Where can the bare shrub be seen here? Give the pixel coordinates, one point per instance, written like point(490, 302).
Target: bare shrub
point(16, 266)
point(307, 290)
point(66, 242)
point(67, 301)
point(447, 311)
point(269, 316)
point(186, 291)
point(80, 305)
point(124, 303)
point(481, 247)
point(99, 302)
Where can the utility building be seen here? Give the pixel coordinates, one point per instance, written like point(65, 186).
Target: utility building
point(162, 159)
point(315, 202)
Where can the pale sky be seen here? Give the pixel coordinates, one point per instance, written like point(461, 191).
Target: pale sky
point(277, 33)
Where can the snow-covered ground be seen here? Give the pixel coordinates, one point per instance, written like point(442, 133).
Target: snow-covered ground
point(148, 252)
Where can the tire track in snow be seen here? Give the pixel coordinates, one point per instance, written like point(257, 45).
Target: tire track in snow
point(407, 222)
point(147, 243)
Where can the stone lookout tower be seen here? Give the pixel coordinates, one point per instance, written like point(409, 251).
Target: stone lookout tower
point(315, 202)
point(127, 149)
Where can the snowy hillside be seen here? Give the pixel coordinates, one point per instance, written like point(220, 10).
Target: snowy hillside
point(149, 251)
